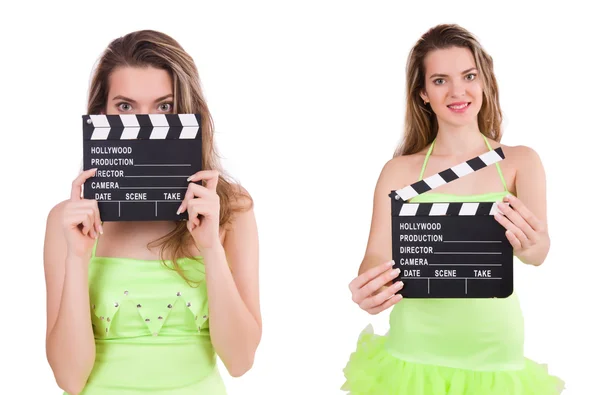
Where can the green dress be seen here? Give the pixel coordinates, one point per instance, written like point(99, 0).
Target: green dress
point(151, 329)
point(449, 346)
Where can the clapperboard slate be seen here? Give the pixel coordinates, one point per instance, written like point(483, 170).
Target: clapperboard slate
point(450, 250)
point(143, 163)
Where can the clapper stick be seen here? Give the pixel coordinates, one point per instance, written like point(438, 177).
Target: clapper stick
point(449, 175)
point(450, 249)
point(143, 163)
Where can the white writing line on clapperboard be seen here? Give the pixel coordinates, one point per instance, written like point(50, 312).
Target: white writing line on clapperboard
point(465, 264)
point(467, 253)
point(429, 250)
point(139, 201)
point(166, 164)
point(472, 241)
point(153, 188)
point(453, 278)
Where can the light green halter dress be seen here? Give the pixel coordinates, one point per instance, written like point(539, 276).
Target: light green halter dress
point(449, 346)
point(151, 329)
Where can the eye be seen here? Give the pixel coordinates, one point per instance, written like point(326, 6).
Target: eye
point(166, 107)
point(123, 106)
point(471, 76)
point(438, 81)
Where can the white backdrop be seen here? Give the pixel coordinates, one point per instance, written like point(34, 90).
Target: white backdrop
point(308, 105)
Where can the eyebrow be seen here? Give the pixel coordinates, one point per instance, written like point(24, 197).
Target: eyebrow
point(119, 97)
point(445, 75)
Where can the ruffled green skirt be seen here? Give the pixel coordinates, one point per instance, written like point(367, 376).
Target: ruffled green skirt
point(372, 370)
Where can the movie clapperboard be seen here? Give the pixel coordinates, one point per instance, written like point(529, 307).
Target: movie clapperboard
point(143, 161)
point(450, 250)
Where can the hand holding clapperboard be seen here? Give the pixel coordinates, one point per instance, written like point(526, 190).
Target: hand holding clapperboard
point(450, 250)
point(143, 161)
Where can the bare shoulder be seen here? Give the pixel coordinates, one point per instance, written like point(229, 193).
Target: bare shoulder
point(241, 209)
point(400, 171)
point(519, 155)
point(55, 214)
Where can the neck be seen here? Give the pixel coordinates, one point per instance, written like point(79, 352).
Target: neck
point(458, 140)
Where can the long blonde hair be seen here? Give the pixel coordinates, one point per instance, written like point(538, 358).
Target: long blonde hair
point(420, 124)
point(148, 48)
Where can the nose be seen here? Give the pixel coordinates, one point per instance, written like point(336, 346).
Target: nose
point(457, 89)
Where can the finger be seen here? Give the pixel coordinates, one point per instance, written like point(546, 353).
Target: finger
point(97, 220)
point(199, 191)
point(513, 240)
point(389, 303)
point(193, 191)
point(516, 218)
point(86, 225)
point(374, 285)
point(79, 181)
point(533, 221)
point(508, 225)
point(370, 274)
point(92, 218)
point(210, 176)
point(382, 296)
point(200, 207)
point(184, 204)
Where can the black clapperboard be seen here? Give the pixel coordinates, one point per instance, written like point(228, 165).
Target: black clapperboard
point(450, 250)
point(143, 161)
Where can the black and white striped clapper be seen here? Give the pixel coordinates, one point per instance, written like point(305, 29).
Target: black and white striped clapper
point(143, 163)
point(450, 250)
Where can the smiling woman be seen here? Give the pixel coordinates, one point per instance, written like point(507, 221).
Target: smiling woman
point(451, 346)
point(128, 303)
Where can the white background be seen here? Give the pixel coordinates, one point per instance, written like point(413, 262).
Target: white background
point(308, 102)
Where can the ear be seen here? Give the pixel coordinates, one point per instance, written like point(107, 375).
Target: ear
point(423, 95)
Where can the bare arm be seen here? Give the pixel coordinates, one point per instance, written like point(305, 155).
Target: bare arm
point(71, 230)
point(233, 298)
point(379, 246)
point(370, 288)
point(526, 221)
point(70, 347)
point(231, 271)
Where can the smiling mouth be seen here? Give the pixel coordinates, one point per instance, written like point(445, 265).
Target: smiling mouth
point(459, 106)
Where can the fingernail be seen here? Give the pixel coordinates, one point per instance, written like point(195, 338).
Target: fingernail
point(499, 207)
point(101, 230)
point(399, 285)
point(390, 263)
point(395, 272)
point(189, 178)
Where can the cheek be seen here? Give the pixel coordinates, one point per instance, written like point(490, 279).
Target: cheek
point(477, 91)
point(436, 93)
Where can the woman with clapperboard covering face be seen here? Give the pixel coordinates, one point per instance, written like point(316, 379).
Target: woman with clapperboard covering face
point(99, 339)
point(451, 346)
